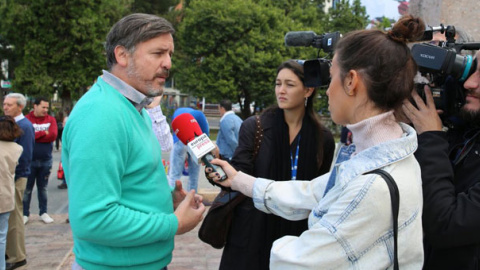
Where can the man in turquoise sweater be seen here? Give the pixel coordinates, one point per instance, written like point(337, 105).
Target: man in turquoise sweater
point(122, 211)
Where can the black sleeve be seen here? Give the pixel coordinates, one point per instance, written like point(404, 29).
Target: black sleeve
point(242, 159)
point(449, 219)
point(328, 151)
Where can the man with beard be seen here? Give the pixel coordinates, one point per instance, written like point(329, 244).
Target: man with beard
point(450, 163)
point(122, 211)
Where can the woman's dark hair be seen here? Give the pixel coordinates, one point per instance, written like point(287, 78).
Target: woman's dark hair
point(383, 60)
point(9, 130)
point(298, 70)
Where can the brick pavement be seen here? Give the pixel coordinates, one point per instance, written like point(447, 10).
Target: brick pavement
point(49, 246)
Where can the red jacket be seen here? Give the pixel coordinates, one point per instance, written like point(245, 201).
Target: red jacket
point(41, 125)
point(43, 141)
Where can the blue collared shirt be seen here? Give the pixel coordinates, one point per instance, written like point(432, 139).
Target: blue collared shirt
point(138, 99)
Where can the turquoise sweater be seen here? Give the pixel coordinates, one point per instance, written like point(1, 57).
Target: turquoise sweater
point(121, 209)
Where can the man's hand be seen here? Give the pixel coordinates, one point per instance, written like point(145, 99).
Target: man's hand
point(178, 194)
point(155, 102)
point(189, 212)
point(424, 117)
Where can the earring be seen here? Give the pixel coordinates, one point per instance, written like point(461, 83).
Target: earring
point(306, 100)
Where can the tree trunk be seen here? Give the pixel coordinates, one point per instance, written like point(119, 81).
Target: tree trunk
point(66, 102)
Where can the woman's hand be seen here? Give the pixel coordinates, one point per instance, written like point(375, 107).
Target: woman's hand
point(227, 168)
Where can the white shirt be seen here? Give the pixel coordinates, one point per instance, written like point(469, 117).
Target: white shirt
point(161, 128)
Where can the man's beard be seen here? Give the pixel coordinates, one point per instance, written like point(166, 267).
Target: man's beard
point(470, 118)
point(151, 91)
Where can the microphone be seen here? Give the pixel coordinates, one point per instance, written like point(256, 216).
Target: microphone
point(198, 144)
point(326, 41)
point(300, 38)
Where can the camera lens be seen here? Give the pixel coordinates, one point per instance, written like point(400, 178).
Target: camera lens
point(462, 66)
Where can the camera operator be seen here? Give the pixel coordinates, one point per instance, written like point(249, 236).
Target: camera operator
point(450, 163)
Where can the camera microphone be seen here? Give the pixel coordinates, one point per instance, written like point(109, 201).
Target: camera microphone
point(299, 38)
point(198, 144)
point(326, 42)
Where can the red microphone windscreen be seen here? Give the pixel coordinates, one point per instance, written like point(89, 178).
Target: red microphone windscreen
point(186, 127)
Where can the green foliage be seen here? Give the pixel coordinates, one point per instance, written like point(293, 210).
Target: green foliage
point(164, 8)
point(153, 7)
point(224, 48)
point(385, 23)
point(347, 17)
point(230, 49)
point(57, 44)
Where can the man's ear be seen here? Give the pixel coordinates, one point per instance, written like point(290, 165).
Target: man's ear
point(121, 55)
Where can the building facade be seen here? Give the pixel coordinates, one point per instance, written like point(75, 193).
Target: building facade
point(459, 13)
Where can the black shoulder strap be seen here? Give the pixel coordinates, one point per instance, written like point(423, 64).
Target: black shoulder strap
point(395, 196)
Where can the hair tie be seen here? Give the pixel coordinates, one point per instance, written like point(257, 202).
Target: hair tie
point(393, 36)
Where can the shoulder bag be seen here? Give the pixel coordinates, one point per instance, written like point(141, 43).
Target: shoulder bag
point(395, 197)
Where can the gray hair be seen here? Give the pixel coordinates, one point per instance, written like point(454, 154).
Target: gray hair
point(21, 100)
point(133, 29)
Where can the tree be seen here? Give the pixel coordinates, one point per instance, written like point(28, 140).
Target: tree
point(346, 17)
point(164, 8)
point(153, 6)
point(60, 44)
point(230, 49)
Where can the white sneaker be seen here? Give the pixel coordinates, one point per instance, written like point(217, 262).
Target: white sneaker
point(25, 220)
point(46, 218)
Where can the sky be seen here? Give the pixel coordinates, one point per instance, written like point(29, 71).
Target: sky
point(379, 8)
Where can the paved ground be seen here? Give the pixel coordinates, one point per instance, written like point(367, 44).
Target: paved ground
point(49, 246)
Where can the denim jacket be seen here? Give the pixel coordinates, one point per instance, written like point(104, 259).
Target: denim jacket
point(350, 227)
point(227, 139)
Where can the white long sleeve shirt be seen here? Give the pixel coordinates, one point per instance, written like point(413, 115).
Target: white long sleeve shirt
point(161, 128)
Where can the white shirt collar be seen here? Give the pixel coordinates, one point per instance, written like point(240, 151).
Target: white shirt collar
point(19, 117)
point(225, 114)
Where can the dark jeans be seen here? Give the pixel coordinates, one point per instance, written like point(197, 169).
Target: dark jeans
point(59, 138)
point(39, 173)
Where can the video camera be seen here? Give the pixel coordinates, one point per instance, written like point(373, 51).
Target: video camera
point(444, 68)
point(317, 71)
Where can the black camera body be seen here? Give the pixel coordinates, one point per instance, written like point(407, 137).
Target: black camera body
point(445, 69)
point(317, 71)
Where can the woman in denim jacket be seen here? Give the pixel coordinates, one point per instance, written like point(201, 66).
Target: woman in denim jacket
point(349, 211)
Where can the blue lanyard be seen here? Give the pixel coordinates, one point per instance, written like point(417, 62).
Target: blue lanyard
point(294, 163)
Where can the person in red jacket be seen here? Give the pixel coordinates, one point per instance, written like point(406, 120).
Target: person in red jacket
point(45, 134)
